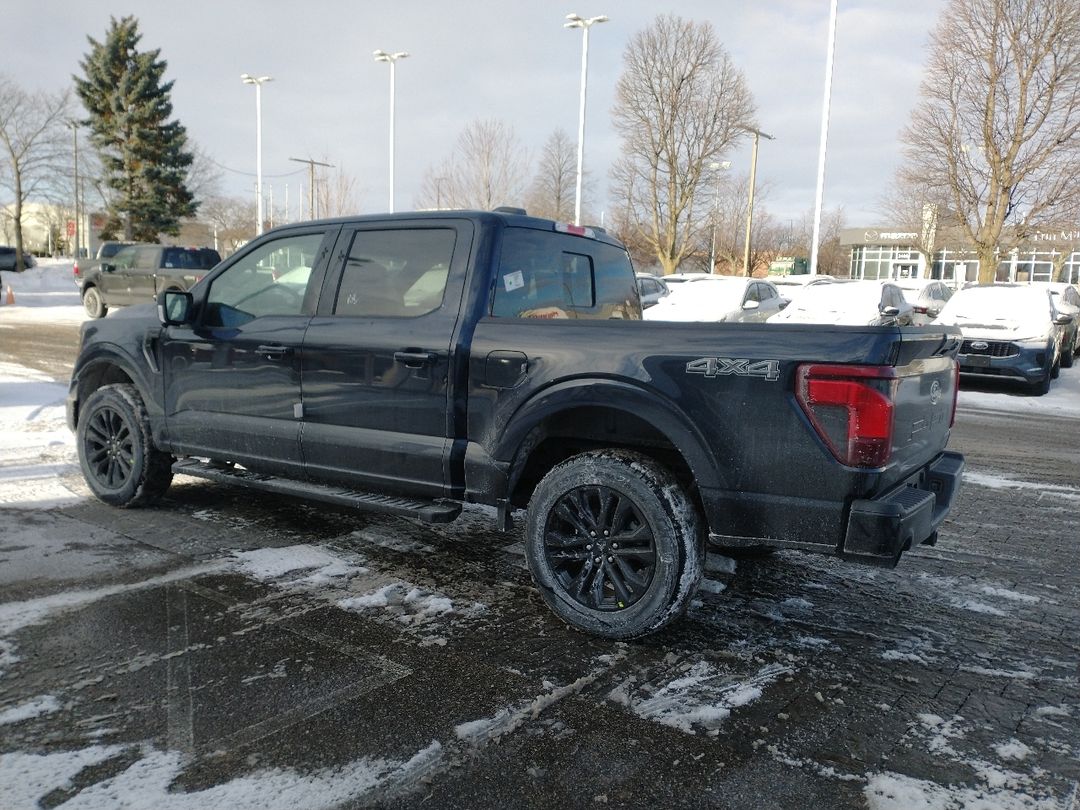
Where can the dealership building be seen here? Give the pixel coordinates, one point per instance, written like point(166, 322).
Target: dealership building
point(882, 253)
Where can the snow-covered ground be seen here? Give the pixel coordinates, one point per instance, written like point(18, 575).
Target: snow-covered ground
point(45, 293)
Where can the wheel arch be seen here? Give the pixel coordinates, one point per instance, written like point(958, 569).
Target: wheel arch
point(106, 368)
point(588, 414)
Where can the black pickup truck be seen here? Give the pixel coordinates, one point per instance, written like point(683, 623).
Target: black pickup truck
point(136, 273)
point(409, 363)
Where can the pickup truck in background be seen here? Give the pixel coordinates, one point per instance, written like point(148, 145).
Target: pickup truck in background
point(409, 363)
point(136, 273)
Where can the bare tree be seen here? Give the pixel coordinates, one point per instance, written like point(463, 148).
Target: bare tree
point(921, 210)
point(997, 128)
point(487, 168)
point(336, 195)
point(832, 258)
point(680, 102)
point(233, 220)
point(554, 184)
point(32, 141)
point(202, 177)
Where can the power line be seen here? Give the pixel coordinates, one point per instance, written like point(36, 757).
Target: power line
point(251, 174)
point(311, 181)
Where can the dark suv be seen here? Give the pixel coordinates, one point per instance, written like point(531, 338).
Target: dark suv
point(137, 273)
point(7, 259)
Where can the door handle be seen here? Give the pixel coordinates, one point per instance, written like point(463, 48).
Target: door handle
point(273, 352)
point(415, 359)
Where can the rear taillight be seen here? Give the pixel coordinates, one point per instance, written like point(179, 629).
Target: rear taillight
point(851, 408)
point(921, 310)
point(76, 269)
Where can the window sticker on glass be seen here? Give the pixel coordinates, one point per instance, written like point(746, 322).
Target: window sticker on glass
point(513, 281)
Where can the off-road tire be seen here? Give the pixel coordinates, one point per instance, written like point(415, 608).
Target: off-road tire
point(117, 455)
point(585, 576)
point(93, 303)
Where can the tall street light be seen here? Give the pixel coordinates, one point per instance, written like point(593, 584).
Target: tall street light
point(575, 21)
point(716, 166)
point(750, 202)
point(258, 82)
point(391, 59)
point(74, 127)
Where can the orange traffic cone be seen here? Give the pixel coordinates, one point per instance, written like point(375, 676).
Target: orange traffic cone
point(10, 295)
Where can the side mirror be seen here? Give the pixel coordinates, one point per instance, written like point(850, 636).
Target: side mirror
point(1061, 319)
point(107, 267)
point(784, 302)
point(751, 305)
point(175, 308)
point(890, 312)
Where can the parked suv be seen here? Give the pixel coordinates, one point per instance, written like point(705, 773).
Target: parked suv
point(137, 273)
point(1011, 332)
point(7, 259)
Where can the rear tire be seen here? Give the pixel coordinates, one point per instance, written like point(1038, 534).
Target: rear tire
point(93, 303)
point(117, 455)
point(1067, 358)
point(614, 544)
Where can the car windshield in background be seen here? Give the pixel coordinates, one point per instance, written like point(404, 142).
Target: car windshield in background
point(702, 301)
point(844, 303)
point(999, 305)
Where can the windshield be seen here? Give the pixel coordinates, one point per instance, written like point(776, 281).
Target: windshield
point(997, 305)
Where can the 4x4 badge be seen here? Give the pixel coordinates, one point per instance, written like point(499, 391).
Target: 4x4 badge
point(722, 366)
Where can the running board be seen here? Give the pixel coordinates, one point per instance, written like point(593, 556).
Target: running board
point(426, 511)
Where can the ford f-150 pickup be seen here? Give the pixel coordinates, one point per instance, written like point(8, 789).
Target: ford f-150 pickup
point(409, 363)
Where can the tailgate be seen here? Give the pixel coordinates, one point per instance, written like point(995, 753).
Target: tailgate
point(924, 398)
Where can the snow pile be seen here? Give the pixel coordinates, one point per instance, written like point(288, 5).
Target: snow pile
point(409, 604)
point(46, 704)
point(894, 791)
point(1063, 399)
point(45, 293)
point(267, 564)
point(25, 779)
point(701, 698)
point(37, 448)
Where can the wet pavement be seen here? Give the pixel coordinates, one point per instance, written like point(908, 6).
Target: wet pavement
point(227, 649)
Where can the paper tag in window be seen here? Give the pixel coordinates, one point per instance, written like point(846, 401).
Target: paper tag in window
point(513, 281)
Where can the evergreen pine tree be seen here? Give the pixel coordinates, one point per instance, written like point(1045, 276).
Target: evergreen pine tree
point(143, 153)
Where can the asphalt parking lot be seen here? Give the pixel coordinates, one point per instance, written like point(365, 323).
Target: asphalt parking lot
point(226, 649)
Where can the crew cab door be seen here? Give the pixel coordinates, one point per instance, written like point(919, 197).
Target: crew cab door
point(377, 357)
point(115, 283)
point(232, 379)
point(141, 276)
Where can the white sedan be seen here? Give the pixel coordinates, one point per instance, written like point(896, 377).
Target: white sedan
point(720, 298)
point(850, 303)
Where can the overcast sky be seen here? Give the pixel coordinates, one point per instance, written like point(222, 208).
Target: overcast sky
point(472, 59)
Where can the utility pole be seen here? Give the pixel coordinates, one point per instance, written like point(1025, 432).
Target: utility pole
point(311, 181)
point(75, 136)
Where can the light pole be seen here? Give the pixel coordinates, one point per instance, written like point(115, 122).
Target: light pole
point(258, 82)
point(717, 166)
point(750, 201)
point(74, 126)
point(575, 21)
point(830, 50)
point(391, 59)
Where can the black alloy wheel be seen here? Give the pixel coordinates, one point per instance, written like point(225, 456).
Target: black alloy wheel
point(109, 447)
point(600, 548)
point(119, 461)
point(614, 543)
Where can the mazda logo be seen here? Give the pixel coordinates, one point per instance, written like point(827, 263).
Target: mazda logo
point(935, 392)
point(980, 345)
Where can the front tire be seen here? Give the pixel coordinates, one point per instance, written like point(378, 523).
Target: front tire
point(93, 303)
point(118, 458)
point(614, 543)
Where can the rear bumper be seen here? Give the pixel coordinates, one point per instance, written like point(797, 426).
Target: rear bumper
point(880, 529)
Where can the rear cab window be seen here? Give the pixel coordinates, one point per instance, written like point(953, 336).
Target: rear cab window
point(546, 275)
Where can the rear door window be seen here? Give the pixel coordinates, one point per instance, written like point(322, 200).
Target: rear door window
point(546, 275)
point(397, 273)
